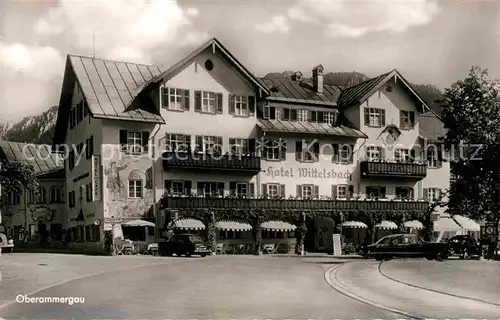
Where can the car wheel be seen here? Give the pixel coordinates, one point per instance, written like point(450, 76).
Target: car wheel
point(203, 255)
point(188, 254)
point(429, 257)
point(439, 256)
point(379, 258)
point(169, 254)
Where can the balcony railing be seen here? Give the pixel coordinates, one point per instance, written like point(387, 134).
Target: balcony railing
point(193, 202)
point(226, 162)
point(370, 169)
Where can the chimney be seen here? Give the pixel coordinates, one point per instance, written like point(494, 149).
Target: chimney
point(318, 78)
point(297, 76)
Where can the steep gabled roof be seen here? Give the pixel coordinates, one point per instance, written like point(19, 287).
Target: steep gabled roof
point(38, 156)
point(215, 45)
point(300, 92)
point(108, 88)
point(362, 91)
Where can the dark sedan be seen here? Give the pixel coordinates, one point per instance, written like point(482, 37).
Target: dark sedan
point(407, 246)
point(465, 247)
point(183, 244)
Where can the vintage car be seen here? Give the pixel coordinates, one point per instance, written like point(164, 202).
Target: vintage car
point(465, 247)
point(183, 244)
point(407, 246)
point(6, 244)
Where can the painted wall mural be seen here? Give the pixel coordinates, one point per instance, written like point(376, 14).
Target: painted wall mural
point(118, 202)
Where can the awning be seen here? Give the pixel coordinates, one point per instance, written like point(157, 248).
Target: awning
point(445, 224)
point(233, 225)
point(354, 224)
point(467, 223)
point(138, 223)
point(189, 224)
point(277, 226)
point(389, 225)
point(413, 224)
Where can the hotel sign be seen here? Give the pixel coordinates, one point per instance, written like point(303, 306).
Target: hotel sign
point(317, 173)
point(96, 178)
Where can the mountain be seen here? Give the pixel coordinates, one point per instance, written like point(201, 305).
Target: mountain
point(32, 129)
point(428, 92)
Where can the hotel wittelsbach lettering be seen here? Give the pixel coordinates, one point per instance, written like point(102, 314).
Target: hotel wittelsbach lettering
point(206, 143)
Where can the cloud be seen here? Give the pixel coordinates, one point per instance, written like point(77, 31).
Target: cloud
point(351, 19)
point(124, 29)
point(34, 74)
point(278, 24)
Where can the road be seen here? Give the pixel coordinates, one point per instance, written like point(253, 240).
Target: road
point(243, 287)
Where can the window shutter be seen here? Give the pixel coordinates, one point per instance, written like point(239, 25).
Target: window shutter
point(412, 155)
point(251, 146)
point(350, 192)
point(164, 97)
point(334, 191)
point(90, 191)
point(123, 140)
point(282, 149)
point(316, 150)
point(220, 188)
point(187, 187)
point(351, 153)
point(321, 116)
point(251, 190)
point(85, 109)
point(264, 189)
point(293, 115)
point(426, 193)
point(232, 187)
point(367, 116)
point(313, 116)
point(199, 143)
point(336, 153)
point(218, 102)
point(251, 105)
point(412, 119)
point(145, 141)
point(383, 192)
point(168, 185)
point(382, 117)
point(402, 119)
point(315, 191)
point(231, 104)
point(298, 150)
point(286, 114)
point(282, 190)
point(266, 112)
point(439, 158)
point(197, 101)
point(299, 191)
point(382, 153)
point(186, 100)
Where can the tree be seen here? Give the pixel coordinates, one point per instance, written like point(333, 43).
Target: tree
point(471, 116)
point(15, 176)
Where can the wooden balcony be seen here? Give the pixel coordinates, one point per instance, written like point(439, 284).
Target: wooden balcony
point(200, 161)
point(397, 170)
point(193, 202)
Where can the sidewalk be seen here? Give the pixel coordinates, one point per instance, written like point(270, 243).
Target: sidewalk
point(318, 255)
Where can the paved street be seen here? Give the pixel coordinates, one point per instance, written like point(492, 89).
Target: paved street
point(231, 287)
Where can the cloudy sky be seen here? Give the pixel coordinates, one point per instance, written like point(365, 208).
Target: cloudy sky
point(428, 41)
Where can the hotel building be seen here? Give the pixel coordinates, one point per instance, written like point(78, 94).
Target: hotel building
point(141, 142)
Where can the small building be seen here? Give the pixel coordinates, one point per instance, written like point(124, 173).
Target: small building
point(40, 213)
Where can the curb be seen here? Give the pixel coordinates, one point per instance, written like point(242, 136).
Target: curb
point(342, 289)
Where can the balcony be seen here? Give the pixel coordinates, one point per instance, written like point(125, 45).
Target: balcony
point(200, 161)
point(398, 170)
point(192, 202)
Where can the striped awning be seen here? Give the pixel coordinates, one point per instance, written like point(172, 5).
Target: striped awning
point(233, 226)
point(413, 224)
point(277, 226)
point(189, 224)
point(388, 225)
point(467, 223)
point(445, 224)
point(354, 224)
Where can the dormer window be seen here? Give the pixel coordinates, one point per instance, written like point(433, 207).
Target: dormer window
point(302, 115)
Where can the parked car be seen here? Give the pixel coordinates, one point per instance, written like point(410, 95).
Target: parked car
point(183, 244)
point(6, 243)
point(465, 247)
point(407, 246)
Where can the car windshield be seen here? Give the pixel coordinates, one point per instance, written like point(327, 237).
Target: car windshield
point(386, 240)
point(195, 239)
